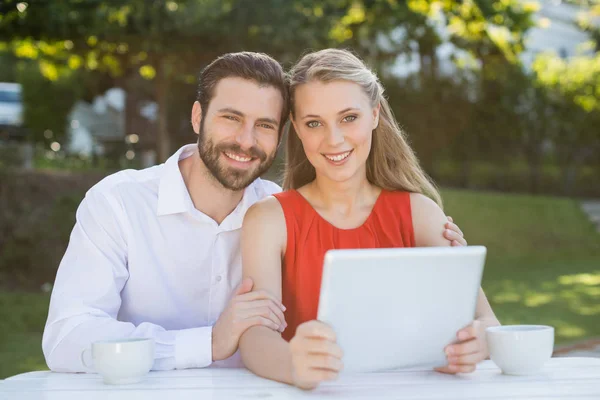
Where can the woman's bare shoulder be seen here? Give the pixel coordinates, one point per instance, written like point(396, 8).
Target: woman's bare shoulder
point(428, 221)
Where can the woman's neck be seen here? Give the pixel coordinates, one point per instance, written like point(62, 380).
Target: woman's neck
point(342, 197)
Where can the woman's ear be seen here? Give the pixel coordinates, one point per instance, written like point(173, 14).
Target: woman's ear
point(376, 115)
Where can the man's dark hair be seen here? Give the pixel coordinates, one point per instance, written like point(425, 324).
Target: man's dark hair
point(257, 67)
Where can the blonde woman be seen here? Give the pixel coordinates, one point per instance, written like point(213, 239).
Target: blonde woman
point(351, 181)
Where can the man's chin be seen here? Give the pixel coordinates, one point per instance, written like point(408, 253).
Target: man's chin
point(234, 179)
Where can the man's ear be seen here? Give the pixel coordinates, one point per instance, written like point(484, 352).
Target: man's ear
point(196, 117)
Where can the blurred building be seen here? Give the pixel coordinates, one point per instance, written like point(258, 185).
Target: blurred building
point(103, 128)
point(14, 148)
point(11, 112)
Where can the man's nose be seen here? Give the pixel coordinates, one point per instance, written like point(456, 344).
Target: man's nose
point(245, 136)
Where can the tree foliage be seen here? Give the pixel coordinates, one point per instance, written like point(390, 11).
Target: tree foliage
point(487, 108)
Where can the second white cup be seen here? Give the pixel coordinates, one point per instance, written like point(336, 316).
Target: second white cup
point(520, 349)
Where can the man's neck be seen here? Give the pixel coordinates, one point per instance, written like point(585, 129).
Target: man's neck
point(207, 194)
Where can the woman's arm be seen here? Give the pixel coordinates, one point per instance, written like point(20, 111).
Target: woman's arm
point(312, 356)
point(264, 238)
point(428, 223)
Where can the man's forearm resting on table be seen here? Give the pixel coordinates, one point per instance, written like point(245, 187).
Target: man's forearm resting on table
point(267, 354)
point(65, 340)
point(86, 298)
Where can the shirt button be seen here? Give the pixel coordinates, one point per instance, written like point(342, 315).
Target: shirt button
point(218, 278)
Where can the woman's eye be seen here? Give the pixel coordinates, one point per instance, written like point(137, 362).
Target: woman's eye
point(349, 118)
point(313, 124)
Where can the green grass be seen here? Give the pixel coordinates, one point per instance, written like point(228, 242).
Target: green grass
point(543, 264)
point(22, 319)
point(543, 267)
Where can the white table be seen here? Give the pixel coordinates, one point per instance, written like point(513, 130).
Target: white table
point(562, 378)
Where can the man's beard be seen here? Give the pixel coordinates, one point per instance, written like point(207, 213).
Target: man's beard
point(229, 177)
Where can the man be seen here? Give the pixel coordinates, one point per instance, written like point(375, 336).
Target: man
point(156, 253)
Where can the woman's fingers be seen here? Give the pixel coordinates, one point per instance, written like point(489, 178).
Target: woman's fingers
point(324, 361)
point(465, 359)
point(468, 347)
point(316, 357)
point(320, 346)
point(316, 329)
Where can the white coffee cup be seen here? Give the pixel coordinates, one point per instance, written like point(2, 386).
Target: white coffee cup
point(520, 349)
point(121, 361)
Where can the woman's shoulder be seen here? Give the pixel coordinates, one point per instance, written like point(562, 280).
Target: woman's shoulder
point(428, 221)
point(265, 209)
point(264, 227)
point(415, 200)
point(286, 195)
point(424, 208)
point(292, 201)
point(419, 201)
point(265, 218)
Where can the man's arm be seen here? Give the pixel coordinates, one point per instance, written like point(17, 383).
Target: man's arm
point(86, 297)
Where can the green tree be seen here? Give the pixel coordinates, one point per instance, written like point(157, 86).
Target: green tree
point(574, 89)
point(492, 34)
point(169, 41)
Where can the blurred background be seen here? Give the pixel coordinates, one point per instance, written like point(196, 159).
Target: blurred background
point(500, 98)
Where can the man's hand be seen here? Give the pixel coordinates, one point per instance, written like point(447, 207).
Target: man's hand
point(316, 357)
point(247, 308)
point(454, 234)
point(470, 349)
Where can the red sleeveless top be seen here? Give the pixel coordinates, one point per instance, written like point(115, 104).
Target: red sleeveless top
point(309, 236)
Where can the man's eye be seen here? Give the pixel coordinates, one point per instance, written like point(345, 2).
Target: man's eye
point(349, 118)
point(313, 124)
point(266, 126)
point(229, 117)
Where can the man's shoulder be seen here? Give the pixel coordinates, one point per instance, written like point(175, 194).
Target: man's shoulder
point(128, 179)
point(264, 188)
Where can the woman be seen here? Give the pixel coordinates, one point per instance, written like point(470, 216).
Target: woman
point(351, 181)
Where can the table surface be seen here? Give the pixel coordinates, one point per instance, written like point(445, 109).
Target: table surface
point(561, 378)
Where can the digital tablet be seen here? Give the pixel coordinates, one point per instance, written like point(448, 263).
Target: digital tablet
point(393, 308)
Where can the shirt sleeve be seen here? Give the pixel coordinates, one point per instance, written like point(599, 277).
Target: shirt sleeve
point(86, 297)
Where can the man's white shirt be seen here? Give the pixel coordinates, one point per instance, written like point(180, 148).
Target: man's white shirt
point(143, 262)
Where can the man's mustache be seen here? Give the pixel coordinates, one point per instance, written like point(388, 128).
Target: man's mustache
point(253, 151)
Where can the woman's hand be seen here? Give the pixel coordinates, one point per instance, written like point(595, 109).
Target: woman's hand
point(470, 349)
point(316, 357)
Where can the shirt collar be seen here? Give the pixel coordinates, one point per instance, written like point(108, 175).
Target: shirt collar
point(234, 220)
point(173, 196)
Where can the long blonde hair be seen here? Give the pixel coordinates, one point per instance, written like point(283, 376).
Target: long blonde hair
point(391, 164)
